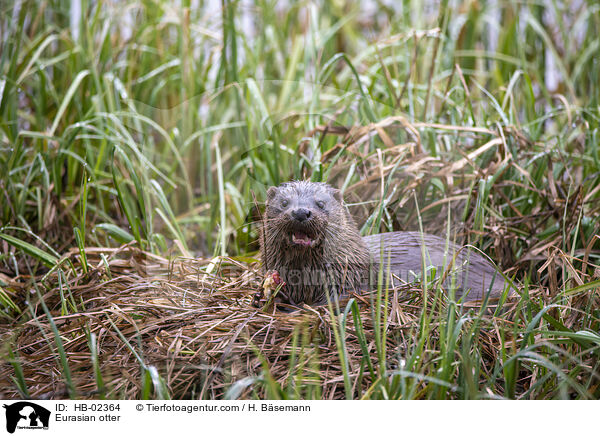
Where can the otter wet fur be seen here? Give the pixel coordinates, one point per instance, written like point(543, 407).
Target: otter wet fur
point(310, 239)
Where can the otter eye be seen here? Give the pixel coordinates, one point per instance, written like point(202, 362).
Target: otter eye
point(284, 203)
point(320, 204)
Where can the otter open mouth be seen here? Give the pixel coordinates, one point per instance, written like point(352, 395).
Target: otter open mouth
point(301, 238)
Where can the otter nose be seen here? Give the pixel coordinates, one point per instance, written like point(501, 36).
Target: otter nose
point(301, 214)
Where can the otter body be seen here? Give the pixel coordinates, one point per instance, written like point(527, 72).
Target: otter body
point(465, 271)
point(311, 240)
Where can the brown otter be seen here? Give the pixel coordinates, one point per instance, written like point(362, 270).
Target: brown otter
point(310, 239)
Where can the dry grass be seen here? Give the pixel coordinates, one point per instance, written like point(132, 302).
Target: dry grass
point(201, 331)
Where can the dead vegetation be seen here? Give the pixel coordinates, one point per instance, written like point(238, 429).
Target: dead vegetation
point(202, 334)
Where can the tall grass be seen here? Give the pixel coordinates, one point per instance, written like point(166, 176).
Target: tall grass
point(156, 124)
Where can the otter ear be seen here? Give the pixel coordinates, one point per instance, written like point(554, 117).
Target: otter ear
point(337, 194)
point(271, 192)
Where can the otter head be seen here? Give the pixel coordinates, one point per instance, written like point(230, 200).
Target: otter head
point(298, 213)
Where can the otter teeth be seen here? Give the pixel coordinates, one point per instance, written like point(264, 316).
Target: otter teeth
point(302, 239)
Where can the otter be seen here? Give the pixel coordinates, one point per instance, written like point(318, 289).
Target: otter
point(310, 239)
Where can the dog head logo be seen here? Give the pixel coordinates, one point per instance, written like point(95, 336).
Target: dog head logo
point(26, 415)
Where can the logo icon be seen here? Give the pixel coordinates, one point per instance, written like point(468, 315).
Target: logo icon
point(26, 415)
